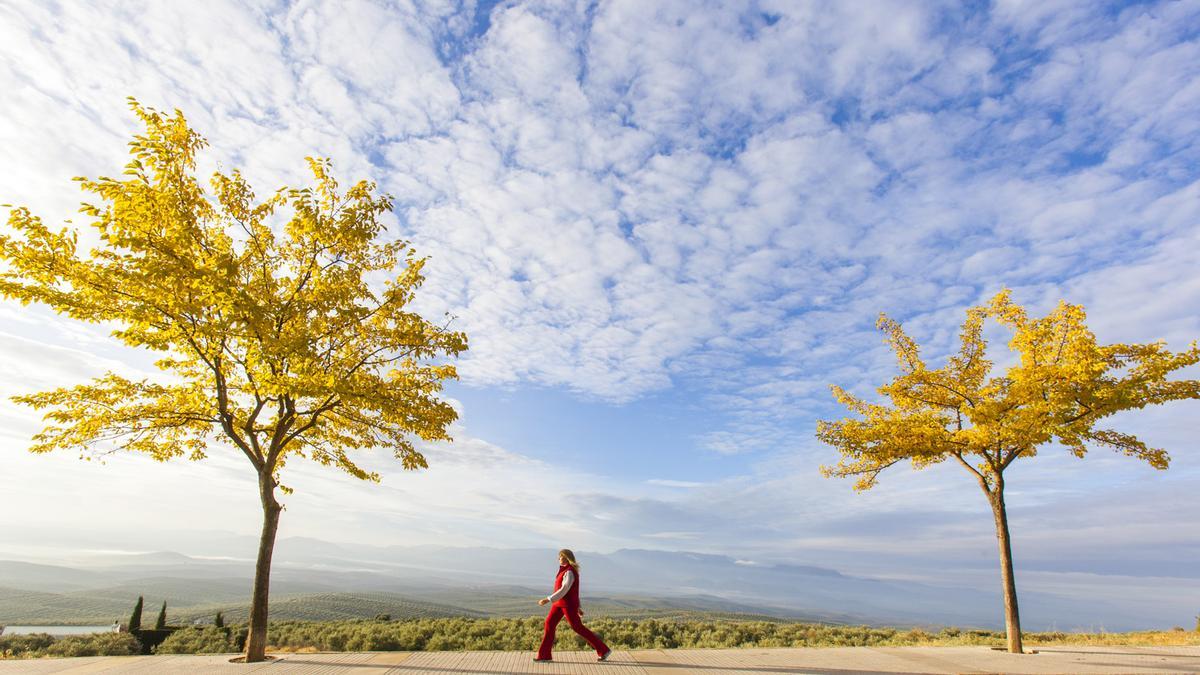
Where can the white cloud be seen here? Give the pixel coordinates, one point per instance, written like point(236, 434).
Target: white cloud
point(667, 482)
point(519, 171)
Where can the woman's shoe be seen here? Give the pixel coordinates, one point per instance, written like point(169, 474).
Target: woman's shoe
point(537, 659)
point(604, 656)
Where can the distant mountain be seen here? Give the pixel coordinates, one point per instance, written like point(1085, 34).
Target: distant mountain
point(794, 589)
point(491, 581)
point(153, 558)
point(53, 578)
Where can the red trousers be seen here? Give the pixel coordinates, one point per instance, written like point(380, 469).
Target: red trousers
point(557, 612)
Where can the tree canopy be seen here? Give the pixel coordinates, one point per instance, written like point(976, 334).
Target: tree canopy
point(272, 335)
point(1064, 386)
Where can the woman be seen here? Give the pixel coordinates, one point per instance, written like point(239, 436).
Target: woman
point(564, 601)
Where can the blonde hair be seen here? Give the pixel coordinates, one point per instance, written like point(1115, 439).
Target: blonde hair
point(566, 553)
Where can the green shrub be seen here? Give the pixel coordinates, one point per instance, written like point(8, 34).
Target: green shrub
point(97, 644)
point(515, 634)
point(21, 645)
point(135, 619)
point(198, 640)
point(161, 622)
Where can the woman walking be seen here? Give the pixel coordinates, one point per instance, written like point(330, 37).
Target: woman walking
point(564, 602)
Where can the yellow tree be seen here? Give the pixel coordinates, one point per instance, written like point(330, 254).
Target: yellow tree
point(1064, 385)
point(273, 341)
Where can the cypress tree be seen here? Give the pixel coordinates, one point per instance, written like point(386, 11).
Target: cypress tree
point(161, 622)
point(219, 622)
point(135, 619)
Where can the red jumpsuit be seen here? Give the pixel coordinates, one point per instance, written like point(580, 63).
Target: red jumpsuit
point(568, 606)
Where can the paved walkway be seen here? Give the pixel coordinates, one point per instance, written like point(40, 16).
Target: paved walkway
point(835, 660)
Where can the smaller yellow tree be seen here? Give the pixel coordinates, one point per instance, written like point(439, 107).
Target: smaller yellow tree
point(1064, 385)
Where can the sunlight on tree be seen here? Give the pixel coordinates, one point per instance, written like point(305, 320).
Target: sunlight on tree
point(273, 340)
point(1064, 385)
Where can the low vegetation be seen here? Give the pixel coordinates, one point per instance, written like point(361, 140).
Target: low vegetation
point(101, 607)
point(519, 634)
point(326, 607)
point(41, 645)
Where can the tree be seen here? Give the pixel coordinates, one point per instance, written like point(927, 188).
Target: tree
point(161, 622)
point(1064, 385)
point(219, 620)
point(135, 619)
point(272, 338)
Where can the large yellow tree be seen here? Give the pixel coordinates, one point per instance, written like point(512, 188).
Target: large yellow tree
point(273, 342)
point(1064, 386)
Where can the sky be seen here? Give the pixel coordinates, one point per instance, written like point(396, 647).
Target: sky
point(666, 227)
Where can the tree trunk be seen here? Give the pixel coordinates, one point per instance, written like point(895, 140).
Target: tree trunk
point(256, 640)
point(1012, 619)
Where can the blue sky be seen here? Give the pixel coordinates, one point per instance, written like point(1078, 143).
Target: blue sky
point(667, 227)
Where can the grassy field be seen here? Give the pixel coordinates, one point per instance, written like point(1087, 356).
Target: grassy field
point(94, 608)
point(36, 608)
point(185, 605)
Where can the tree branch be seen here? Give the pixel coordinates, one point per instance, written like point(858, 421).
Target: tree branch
point(978, 476)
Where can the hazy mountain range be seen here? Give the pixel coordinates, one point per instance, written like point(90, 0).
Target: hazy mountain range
point(315, 579)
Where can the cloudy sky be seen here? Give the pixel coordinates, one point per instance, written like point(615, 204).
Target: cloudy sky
point(667, 227)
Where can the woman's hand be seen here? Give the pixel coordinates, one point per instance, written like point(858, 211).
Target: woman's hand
point(580, 611)
point(543, 601)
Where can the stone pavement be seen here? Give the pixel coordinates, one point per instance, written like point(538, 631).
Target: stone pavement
point(832, 660)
